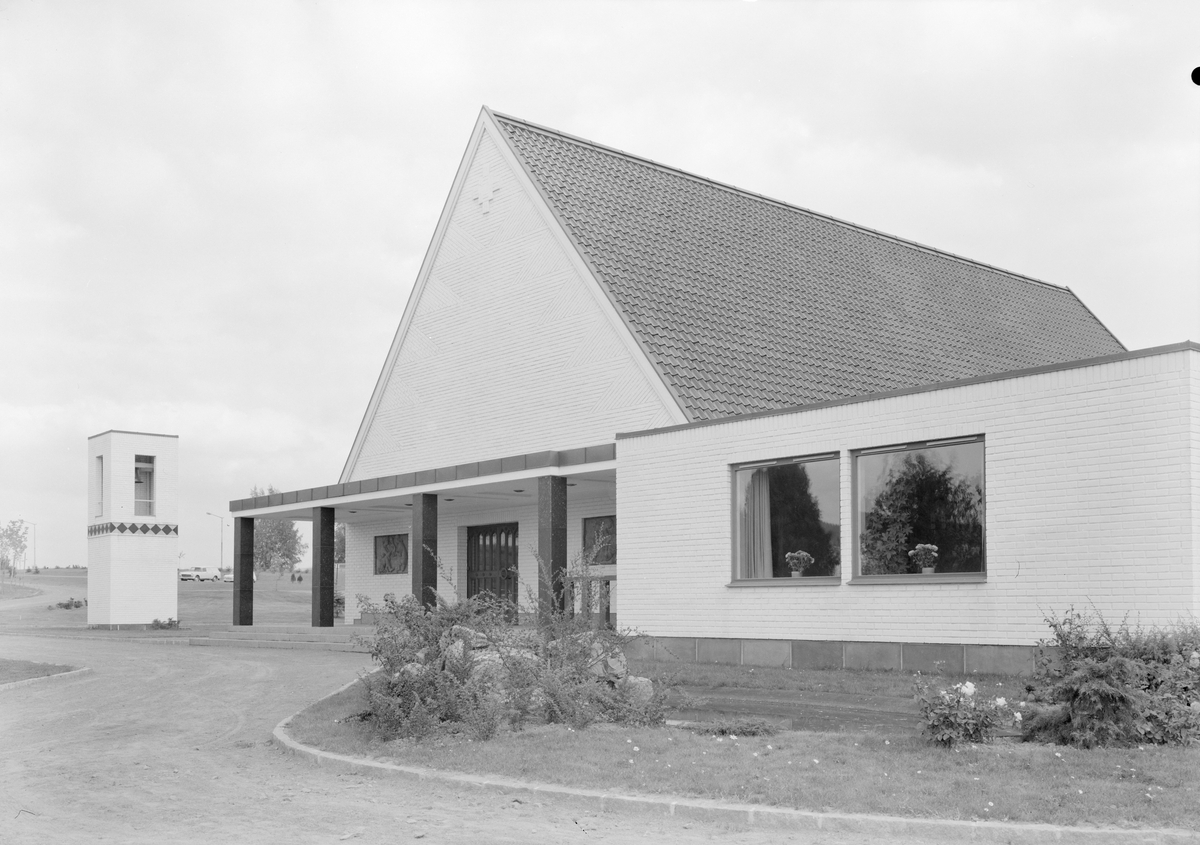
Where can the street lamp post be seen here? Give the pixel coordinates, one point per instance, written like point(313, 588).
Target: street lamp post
point(221, 564)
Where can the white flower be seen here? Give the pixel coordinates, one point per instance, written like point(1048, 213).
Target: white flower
point(1017, 716)
point(1000, 702)
point(968, 688)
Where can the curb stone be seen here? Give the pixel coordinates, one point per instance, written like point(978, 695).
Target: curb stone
point(749, 815)
point(28, 682)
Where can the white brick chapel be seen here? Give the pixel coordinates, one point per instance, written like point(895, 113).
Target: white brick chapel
point(600, 344)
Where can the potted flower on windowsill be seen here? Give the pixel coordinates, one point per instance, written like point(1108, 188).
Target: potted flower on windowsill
point(798, 562)
point(924, 556)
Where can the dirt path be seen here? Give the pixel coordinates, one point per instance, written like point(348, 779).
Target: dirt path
point(171, 744)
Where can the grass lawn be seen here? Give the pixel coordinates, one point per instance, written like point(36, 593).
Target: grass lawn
point(866, 773)
point(21, 670)
point(202, 606)
point(9, 590)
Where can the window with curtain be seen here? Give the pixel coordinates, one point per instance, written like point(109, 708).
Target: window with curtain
point(929, 494)
point(787, 506)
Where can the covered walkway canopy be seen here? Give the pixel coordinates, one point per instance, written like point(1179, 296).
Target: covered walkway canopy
point(543, 476)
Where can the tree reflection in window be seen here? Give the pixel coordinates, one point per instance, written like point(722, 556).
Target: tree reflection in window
point(788, 507)
point(933, 495)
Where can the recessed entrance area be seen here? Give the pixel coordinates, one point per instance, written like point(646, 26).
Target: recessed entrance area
point(492, 560)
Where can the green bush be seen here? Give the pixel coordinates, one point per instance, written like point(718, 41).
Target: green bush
point(1096, 685)
point(465, 666)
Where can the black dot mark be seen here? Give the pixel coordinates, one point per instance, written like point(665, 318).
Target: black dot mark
point(1196, 75)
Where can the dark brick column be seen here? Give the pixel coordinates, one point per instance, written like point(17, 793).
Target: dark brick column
point(322, 568)
point(424, 548)
point(552, 541)
point(243, 570)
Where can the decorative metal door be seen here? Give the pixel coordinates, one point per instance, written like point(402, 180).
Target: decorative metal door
point(492, 560)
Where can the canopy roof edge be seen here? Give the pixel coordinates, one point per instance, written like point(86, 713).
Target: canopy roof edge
point(561, 462)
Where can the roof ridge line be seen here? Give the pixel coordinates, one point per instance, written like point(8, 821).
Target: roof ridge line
point(782, 203)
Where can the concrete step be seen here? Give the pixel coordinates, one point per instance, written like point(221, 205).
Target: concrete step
point(305, 645)
point(308, 636)
point(274, 628)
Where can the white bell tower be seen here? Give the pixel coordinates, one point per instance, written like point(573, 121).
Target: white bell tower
point(133, 529)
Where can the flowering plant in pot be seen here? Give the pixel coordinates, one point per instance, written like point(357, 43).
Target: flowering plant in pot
point(798, 562)
point(924, 556)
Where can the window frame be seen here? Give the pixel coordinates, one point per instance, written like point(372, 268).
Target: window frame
point(98, 505)
point(145, 463)
point(736, 580)
point(856, 576)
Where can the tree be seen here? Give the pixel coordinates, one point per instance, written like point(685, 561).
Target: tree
point(920, 502)
point(277, 544)
point(13, 541)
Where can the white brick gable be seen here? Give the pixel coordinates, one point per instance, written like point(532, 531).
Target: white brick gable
point(508, 345)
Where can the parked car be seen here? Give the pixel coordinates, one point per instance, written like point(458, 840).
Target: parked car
point(199, 573)
point(229, 577)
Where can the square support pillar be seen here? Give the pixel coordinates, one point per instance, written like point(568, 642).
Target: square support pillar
point(552, 542)
point(425, 548)
point(322, 568)
point(243, 570)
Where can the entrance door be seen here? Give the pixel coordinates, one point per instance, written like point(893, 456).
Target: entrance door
point(492, 560)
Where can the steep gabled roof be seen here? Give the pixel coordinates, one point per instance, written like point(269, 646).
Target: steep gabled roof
point(747, 304)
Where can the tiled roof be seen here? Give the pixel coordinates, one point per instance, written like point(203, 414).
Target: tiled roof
point(747, 304)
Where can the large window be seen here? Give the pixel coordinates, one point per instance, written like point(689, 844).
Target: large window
point(143, 485)
point(786, 507)
point(929, 494)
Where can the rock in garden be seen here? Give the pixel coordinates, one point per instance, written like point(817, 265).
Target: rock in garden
point(639, 690)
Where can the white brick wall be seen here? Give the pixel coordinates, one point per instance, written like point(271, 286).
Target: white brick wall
point(509, 350)
point(1092, 499)
point(133, 578)
point(452, 535)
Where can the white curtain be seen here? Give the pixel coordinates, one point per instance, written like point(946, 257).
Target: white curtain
point(756, 527)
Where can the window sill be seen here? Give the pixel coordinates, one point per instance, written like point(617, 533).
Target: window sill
point(935, 578)
point(810, 581)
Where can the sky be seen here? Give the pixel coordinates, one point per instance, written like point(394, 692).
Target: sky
point(212, 213)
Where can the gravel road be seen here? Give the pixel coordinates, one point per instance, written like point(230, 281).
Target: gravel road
point(171, 744)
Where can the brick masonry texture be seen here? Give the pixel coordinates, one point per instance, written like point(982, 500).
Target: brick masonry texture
point(508, 350)
point(1092, 500)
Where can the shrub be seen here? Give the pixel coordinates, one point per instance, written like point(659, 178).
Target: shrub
point(955, 714)
point(171, 622)
point(71, 603)
point(465, 666)
point(734, 726)
point(1096, 685)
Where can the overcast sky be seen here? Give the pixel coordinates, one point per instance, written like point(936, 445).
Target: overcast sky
point(211, 215)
